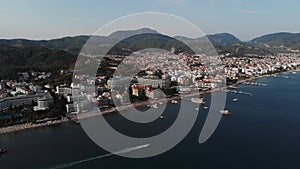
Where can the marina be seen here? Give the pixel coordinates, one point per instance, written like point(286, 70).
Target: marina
point(239, 92)
point(254, 84)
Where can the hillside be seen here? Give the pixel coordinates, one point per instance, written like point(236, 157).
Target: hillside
point(14, 59)
point(127, 33)
point(278, 42)
point(21, 54)
point(223, 39)
point(70, 44)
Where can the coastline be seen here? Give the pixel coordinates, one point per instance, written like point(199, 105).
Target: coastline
point(21, 127)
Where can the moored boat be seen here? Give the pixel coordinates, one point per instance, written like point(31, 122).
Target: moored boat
point(197, 100)
point(232, 87)
point(155, 106)
point(174, 101)
point(225, 112)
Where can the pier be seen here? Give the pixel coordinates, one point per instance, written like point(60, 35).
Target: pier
point(283, 76)
point(254, 84)
point(238, 92)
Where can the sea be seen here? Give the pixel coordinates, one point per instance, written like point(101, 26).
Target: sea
point(262, 131)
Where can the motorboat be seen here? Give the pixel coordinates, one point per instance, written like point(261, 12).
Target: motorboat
point(225, 112)
point(174, 101)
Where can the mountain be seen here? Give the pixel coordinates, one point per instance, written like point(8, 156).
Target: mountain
point(127, 33)
point(73, 45)
point(225, 43)
point(244, 49)
point(278, 42)
point(223, 39)
point(15, 59)
point(52, 55)
point(149, 40)
point(70, 44)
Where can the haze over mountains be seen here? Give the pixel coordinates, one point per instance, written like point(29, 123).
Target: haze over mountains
point(62, 52)
point(223, 42)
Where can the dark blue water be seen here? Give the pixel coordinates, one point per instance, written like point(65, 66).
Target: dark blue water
point(263, 131)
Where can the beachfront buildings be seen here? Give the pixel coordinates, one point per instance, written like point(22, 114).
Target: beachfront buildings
point(43, 103)
point(19, 100)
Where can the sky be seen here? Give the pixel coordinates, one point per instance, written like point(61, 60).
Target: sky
point(246, 19)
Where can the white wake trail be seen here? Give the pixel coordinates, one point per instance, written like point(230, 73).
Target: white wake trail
point(123, 151)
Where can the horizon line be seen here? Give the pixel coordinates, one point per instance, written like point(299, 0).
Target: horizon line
point(76, 35)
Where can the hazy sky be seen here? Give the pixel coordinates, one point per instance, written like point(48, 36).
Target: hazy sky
point(41, 19)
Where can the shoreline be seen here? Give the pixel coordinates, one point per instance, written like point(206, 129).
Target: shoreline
point(25, 126)
point(21, 127)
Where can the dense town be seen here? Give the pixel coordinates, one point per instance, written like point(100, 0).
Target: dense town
point(137, 78)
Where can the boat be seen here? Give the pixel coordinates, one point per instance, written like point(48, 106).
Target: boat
point(161, 116)
point(225, 112)
point(232, 87)
point(197, 100)
point(235, 100)
point(3, 150)
point(205, 89)
point(155, 106)
point(76, 120)
point(196, 108)
point(174, 101)
point(205, 107)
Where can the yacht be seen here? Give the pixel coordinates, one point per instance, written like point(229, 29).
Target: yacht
point(225, 112)
point(174, 101)
point(155, 106)
point(197, 100)
point(235, 100)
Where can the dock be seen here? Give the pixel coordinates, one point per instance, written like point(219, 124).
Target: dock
point(238, 92)
point(254, 84)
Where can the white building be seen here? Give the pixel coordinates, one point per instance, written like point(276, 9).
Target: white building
point(43, 103)
point(62, 90)
point(20, 100)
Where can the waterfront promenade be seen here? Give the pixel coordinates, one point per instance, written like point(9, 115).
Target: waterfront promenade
point(22, 127)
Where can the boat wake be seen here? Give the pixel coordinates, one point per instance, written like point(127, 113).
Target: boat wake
point(123, 151)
